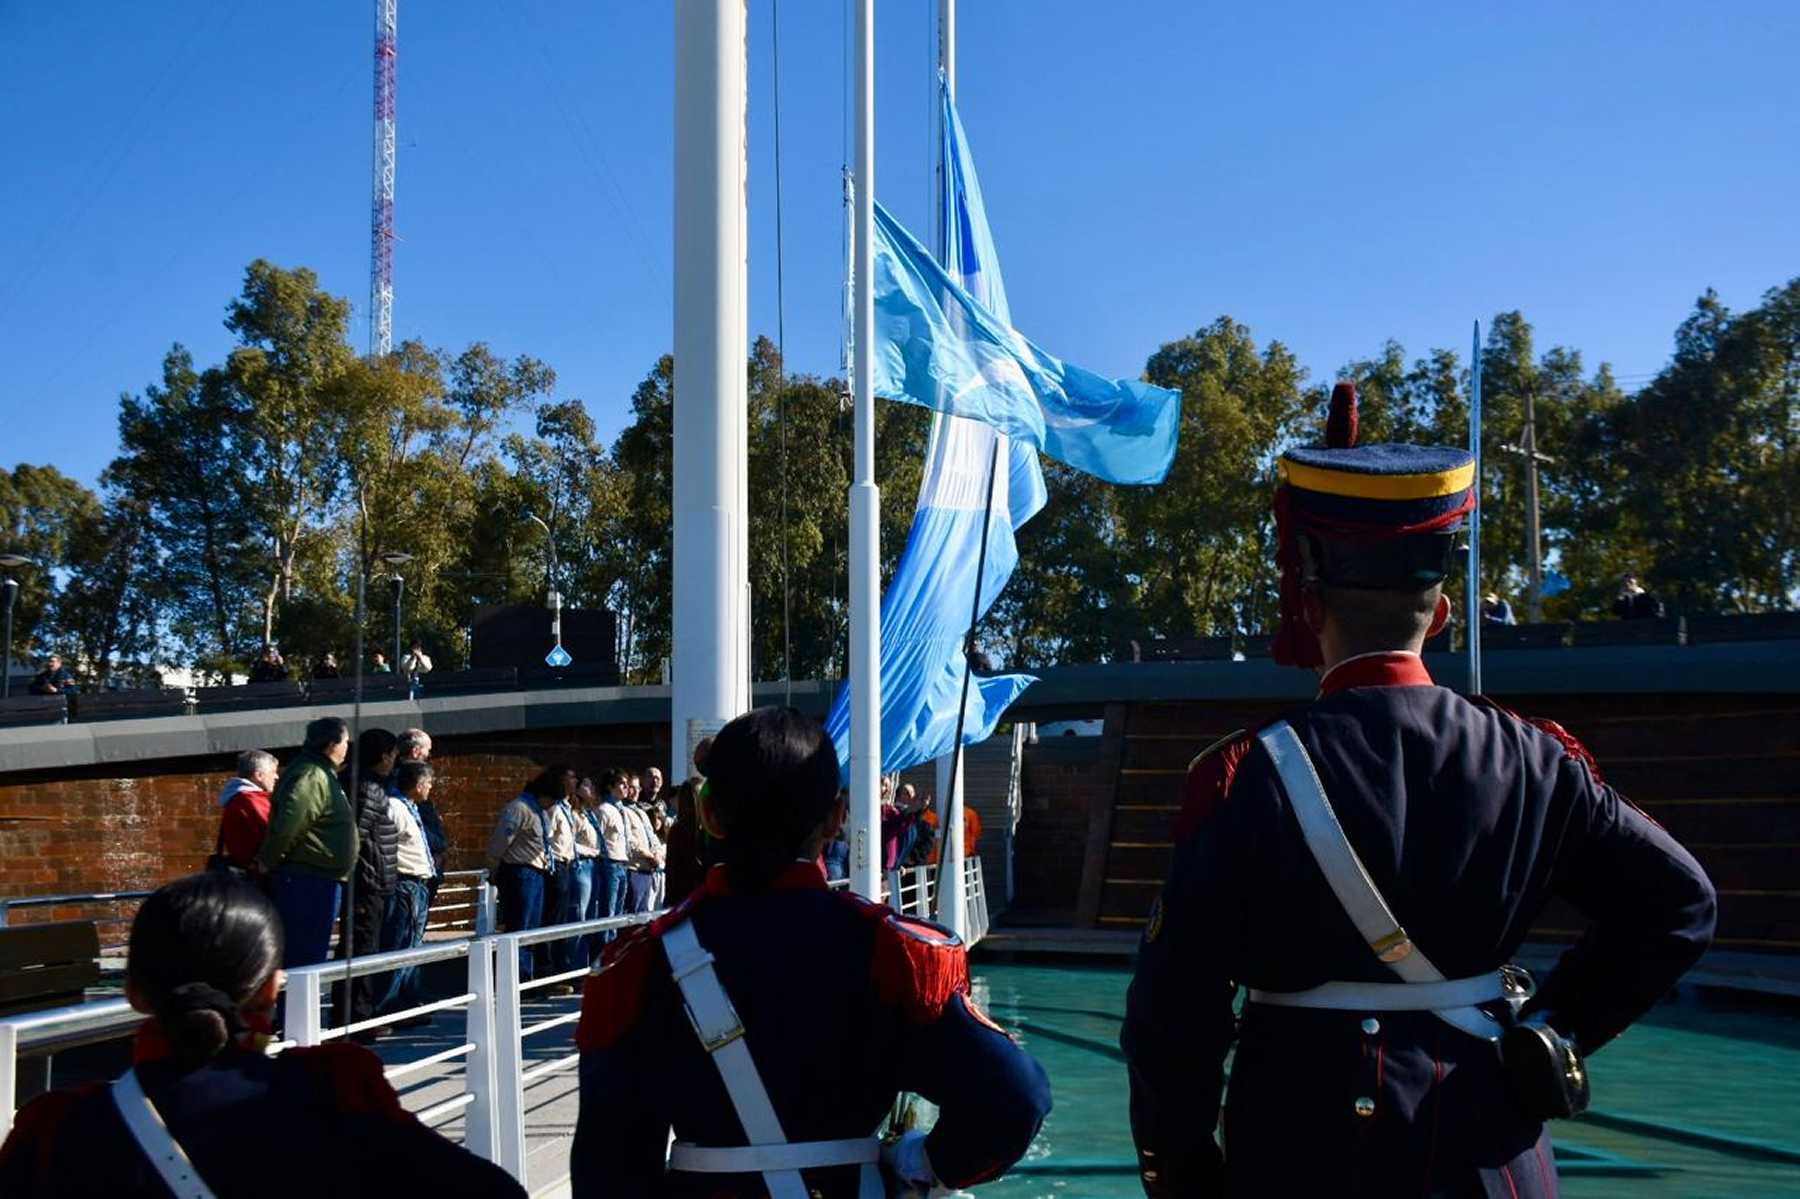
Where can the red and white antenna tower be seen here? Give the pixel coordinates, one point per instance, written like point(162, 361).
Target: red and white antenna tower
point(381, 216)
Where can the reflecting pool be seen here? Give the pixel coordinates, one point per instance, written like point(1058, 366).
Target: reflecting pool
point(1696, 1100)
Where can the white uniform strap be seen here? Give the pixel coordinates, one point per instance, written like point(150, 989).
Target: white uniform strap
point(146, 1126)
point(721, 1034)
point(1390, 997)
point(1349, 879)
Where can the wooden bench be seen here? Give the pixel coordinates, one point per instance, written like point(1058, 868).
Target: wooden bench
point(21, 710)
point(134, 704)
point(1627, 632)
point(376, 688)
point(250, 695)
point(47, 966)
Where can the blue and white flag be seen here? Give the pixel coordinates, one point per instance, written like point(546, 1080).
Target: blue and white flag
point(925, 611)
point(940, 347)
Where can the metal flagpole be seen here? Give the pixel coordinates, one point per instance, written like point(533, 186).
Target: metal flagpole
point(1474, 596)
point(952, 901)
point(711, 679)
point(865, 497)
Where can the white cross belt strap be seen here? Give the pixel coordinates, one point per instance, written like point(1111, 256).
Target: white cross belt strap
point(146, 1126)
point(721, 1033)
point(1390, 997)
point(1355, 890)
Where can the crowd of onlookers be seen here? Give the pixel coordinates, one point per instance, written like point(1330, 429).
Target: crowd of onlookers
point(271, 667)
point(337, 812)
point(571, 848)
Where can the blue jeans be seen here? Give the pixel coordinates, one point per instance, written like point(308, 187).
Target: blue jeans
point(308, 905)
point(580, 899)
point(556, 904)
point(610, 896)
point(643, 891)
point(522, 907)
point(404, 928)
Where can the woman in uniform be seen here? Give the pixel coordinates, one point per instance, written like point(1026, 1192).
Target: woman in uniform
point(771, 1022)
point(204, 1111)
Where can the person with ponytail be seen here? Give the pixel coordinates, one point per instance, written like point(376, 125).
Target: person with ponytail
point(771, 1022)
point(204, 1110)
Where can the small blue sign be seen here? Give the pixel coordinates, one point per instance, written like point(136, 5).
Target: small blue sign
point(558, 657)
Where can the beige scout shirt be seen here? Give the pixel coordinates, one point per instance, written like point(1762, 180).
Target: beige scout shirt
point(644, 848)
point(562, 833)
point(518, 839)
point(413, 856)
point(587, 839)
point(615, 839)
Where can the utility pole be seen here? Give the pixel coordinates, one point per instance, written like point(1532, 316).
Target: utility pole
point(1534, 534)
point(381, 208)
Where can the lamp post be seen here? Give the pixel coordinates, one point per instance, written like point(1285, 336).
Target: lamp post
point(10, 585)
point(395, 560)
point(554, 597)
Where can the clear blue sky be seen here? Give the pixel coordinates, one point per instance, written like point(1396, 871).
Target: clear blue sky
point(1330, 178)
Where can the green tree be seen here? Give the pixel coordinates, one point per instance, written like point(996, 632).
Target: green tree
point(40, 511)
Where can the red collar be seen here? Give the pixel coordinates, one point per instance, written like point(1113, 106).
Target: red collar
point(1395, 668)
point(801, 876)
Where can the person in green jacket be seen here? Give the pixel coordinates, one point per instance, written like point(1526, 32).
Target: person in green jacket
point(311, 845)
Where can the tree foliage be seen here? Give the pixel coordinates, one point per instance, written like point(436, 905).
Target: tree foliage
point(250, 496)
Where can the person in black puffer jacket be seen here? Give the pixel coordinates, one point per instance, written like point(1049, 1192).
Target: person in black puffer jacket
point(377, 868)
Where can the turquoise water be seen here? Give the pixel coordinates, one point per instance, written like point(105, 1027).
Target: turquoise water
point(1667, 1096)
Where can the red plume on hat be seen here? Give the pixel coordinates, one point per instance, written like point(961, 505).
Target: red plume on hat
point(1295, 644)
point(1340, 426)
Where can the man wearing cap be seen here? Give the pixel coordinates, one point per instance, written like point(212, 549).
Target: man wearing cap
point(1366, 867)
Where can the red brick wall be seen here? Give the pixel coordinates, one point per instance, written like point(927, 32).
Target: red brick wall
point(103, 829)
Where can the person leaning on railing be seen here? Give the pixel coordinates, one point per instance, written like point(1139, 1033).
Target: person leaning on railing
point(204, 1110)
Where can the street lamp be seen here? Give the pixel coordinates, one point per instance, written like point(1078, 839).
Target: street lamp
point(395, 560)
point(10, 585)
point(550, 572)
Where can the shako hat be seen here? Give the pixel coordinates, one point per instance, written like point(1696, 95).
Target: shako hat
point(1382, 517)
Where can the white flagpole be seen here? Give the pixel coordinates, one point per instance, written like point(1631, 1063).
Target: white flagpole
point(1474, 597)
point(952, 899)
point(711, 682)
point(865, 498)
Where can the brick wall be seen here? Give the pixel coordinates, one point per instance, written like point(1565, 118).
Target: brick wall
point(136, 825)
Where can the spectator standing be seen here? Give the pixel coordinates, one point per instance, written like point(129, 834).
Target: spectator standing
point(1634, 603)
point(644, 850)
point(686, 864)
point(54, 679)
point(614, 866)
point(652, 805)
point(651, 782)
point(415, 664)
point(581, 874)
point(1495, 610)
point(836, 854)
point(326, 667)
point(269, 667)
point(518, 858)
point(311, 844)
point(557, 955)
point(244, 820)
point(204, 967)
point(414, 745)
point(380, 664)
point(409, 909)
point(377, 865)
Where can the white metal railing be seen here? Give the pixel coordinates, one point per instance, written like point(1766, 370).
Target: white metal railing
point(510, 1030)
point(464, 903)
point(495, 1072)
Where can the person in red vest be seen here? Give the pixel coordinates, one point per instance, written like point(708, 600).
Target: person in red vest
point(244, 821)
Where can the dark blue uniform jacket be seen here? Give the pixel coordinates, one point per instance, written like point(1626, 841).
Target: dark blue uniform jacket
point(1468, 818)
point(312, 1122)
point(844, 1005)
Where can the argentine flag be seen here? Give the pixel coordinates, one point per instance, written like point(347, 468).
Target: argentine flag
point(925, 611)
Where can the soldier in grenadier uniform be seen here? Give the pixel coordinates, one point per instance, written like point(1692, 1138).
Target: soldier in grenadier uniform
point(771, 1022)
point(1367, 867)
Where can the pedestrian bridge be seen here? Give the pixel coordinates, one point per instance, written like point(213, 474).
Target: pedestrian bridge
point(494, 1069)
